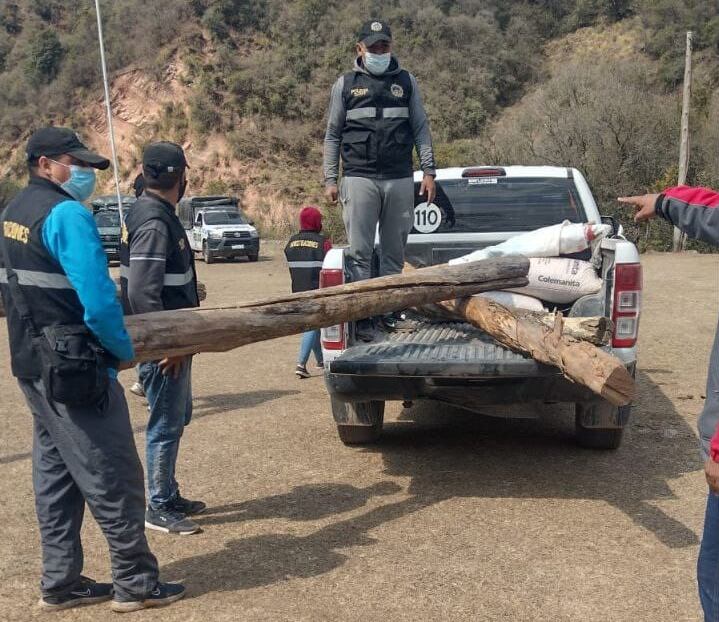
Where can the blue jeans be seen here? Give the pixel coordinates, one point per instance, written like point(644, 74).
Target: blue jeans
point(708, 563)
point(170, 401)
point(310, 343)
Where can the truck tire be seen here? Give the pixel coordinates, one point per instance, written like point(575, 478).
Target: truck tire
point(253, 257)
point(358, 423)
point(593, 437)
point(207, 254)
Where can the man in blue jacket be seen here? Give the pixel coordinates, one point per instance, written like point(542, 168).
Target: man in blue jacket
point(54, 278)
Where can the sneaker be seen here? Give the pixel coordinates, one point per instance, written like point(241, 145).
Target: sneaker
point(185, 506)
point(320, 365)
point(170, 520)
point(137, 390)
point(364, 330)
point(86, 592)
point(164, 594)
point(301, 371)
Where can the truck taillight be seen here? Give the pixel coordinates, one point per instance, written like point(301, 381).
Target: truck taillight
point(333, 337)
point(627, 304)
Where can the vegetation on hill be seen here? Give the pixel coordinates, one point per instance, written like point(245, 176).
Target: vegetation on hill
point(588, 83)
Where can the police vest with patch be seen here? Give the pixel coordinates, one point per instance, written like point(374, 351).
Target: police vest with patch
point(377, 138)
point(180, 285)
point(305, 252)
point(51, 299)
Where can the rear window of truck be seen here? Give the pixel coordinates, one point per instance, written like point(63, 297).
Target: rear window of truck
point(492, 204)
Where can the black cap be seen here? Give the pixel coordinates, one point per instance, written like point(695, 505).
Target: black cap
point(55, 141)
point(163, 158)
point(373, 31)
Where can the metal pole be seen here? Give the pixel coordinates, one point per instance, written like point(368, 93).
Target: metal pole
point(110, 128)
point(679, 238)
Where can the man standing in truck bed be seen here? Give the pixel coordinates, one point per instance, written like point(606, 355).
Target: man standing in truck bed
point(376, 119)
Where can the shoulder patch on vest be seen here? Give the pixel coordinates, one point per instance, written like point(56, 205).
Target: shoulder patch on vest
point(359, 91)
point(396, 90)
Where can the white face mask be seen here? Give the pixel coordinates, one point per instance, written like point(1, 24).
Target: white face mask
point(377, 64)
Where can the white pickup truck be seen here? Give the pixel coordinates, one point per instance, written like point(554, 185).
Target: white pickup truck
point(455, 363)
point(217, 228)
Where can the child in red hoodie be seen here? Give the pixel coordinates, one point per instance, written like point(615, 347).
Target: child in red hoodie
point(305, 253)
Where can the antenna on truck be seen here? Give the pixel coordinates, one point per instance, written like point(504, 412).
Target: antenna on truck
point(110, 128)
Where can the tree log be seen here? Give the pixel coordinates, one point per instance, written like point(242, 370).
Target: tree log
point(217, 329)
point(595, 330)
point(579, 361)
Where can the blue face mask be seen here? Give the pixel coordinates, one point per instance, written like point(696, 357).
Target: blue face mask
point(377, 64)
point(81, 184)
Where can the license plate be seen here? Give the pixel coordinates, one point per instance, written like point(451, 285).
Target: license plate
point(236, 246)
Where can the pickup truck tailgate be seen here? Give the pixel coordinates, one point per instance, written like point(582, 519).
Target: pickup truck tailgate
point(447, 349)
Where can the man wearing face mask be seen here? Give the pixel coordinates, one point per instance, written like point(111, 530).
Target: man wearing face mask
point(67, 339)
point(157, 272)
point(376, 119)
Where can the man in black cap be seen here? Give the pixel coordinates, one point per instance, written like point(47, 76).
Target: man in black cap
point(376, 119)
point(157, 272)
point(67, 339)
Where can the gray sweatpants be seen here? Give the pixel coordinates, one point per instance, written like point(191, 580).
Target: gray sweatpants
point(709, 417)
point(367, 203)
point(88, 454)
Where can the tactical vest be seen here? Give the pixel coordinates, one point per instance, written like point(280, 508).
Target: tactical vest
point(305, 252)
point(180, 285)
point(50, 297)
point(377, 139)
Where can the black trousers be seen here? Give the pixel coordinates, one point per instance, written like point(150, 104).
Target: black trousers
point(88, 455)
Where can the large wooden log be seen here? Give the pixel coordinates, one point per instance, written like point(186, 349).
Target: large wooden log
point(217, 329)
point(579, 361)
point(595, 330)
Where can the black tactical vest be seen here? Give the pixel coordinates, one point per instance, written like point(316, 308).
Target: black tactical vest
point(305, 252)
point(180, 286)
point(51, 299)
point(377, 139)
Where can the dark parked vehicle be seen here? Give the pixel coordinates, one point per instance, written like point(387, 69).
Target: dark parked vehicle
point(107, 218)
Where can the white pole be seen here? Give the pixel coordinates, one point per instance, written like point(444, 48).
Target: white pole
point(679, 237)
point(110, 128)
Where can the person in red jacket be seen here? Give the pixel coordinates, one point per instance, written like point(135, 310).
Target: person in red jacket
point(696, 212)
point(305, 252)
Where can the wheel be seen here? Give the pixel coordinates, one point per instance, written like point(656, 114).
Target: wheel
point(358, 423)
point(599, 425)
point(253, 257)
point(207, 254)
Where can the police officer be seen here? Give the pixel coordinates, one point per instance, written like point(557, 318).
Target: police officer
point(305, 252)
point(376, 119)
point(62, 307)
point(157, 272)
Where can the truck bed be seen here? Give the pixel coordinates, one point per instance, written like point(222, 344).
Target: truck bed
point(437, 349)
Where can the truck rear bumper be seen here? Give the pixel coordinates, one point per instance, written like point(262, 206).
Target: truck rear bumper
point(463, 392)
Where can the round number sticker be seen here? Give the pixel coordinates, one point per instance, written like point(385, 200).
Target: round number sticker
point(427, 218)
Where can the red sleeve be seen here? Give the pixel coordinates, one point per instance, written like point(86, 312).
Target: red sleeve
point(714, 447)
point(701, 197)
point(328, 245)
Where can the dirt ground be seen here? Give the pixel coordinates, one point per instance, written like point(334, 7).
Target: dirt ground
point(452, 516)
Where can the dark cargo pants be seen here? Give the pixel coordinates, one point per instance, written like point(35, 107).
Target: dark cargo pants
point(88, 454)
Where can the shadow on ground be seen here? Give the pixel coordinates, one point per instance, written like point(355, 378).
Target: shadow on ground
point(450, 453)
point(203, 406)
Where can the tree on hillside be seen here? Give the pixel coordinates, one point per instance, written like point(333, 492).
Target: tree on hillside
point(44, 56)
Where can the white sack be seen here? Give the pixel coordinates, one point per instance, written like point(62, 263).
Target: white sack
point(512, 299)
point(557, 279)
point(552, 241)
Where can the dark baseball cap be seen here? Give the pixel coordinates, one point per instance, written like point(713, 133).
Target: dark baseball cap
point(55, 141)
point(374, 30)
point(163, 158)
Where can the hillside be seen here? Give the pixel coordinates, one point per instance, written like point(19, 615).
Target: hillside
point(243, 86)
